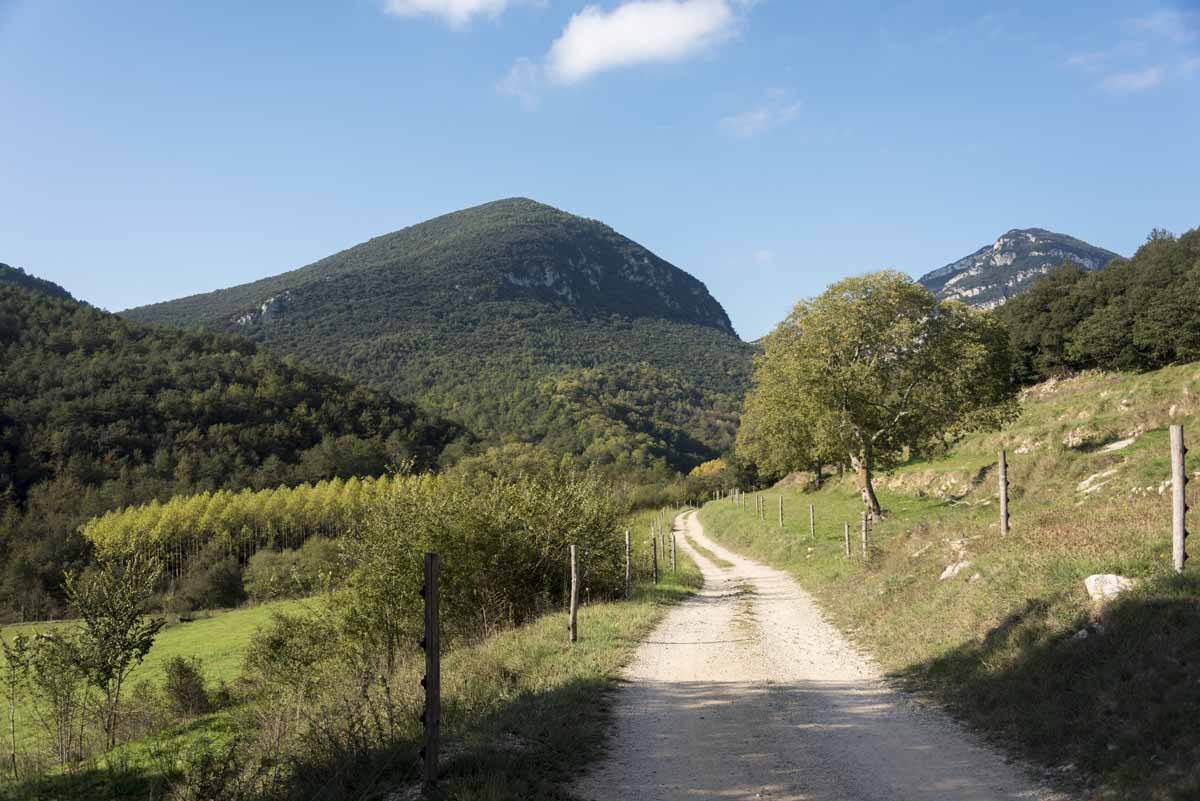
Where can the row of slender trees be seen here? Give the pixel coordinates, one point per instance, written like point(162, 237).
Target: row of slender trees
point(239, 522)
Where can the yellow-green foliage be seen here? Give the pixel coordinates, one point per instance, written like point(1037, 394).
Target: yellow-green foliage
point(242, 521)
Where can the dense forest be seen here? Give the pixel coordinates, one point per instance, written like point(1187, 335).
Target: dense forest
point(97, 413)
point(15, 276)
point(471, 314)
point(1136, 314)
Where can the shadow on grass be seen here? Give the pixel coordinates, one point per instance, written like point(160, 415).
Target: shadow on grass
point(1121, 704)
point(93, 783)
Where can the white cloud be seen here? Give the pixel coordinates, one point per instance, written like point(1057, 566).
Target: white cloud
point(764, 257)
point(637, 32)
point(523, 82)
point(1088, 61)
point(1177, 25)
point(778, 110)
point(456, 12)
point(1136, 81)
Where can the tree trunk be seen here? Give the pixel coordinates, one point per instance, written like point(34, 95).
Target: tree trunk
point(862, 465)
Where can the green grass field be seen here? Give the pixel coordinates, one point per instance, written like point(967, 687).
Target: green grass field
point(219, 640)
point(523, 708)
point(998, 642)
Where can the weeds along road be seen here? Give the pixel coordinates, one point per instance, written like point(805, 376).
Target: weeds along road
point(745, 692)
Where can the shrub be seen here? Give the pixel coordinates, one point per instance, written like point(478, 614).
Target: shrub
point(504, 554)
point(272, 575)
point(185, 687)
point(320, 564)
point(213, 581)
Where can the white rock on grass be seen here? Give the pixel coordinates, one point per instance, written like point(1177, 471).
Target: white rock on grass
point(1089, 484)
point(1120, 444)
point(1103, 586)
point(953, 570)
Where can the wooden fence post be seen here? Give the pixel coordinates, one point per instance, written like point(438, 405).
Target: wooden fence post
point(781, 511)
point(865, 545)
point(654, 557)
point(573, 623)
point(847, 532)
point(432, 682)
point(672, 551)
point(628, 566)
point(812, 522)
point(1003, 494)
point(1179, 506)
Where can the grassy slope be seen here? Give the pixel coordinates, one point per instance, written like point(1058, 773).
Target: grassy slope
point(219, 640)
point(998, 642)
point(524, 710)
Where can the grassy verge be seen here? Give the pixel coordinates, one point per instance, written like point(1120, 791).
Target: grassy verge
point(531, 710)
point(1104, 695)
point(525, 710)
point(724, 564)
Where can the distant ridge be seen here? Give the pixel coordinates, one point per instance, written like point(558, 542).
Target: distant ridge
point(15, 276)
point(1010, 265)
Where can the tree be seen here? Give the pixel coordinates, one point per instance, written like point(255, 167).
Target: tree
point(116, 634)
point(772, 441)
point(875, 368)
point(16, 665)
point(59, 691)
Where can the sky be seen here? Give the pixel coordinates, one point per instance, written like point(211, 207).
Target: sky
point(769, 147)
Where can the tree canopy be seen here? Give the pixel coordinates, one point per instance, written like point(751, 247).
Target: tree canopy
point(1136, 314)
point(869, 371)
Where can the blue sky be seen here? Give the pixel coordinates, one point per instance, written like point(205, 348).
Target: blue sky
point(152, 150)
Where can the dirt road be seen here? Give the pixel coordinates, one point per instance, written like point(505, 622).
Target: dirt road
point(745, 692)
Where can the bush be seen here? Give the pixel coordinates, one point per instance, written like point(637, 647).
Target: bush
point(272, 575)
point(185, 687)
point(320, 564)
point(213, 581)
point(504, 555)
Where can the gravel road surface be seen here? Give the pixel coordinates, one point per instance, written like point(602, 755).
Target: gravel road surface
point(745, 692)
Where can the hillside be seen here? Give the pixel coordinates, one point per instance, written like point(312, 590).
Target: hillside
point(1102, 695)
point(97, 412)
point(1006, 268)
point(15, 276)
point(1136, 314)
point(480, 314)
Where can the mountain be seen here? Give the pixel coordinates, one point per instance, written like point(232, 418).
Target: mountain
point(97, 413)
point(994, 273)
point(481, 315)
point(15, 276)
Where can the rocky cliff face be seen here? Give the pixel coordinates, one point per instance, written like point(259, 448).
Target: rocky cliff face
point(997, 272)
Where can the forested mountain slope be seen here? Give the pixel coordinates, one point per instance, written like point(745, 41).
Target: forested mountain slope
point(481, 314)
point(97, 412)
point(15, 276)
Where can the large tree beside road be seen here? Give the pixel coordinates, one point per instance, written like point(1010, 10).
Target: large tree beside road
point(871, 371)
